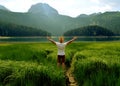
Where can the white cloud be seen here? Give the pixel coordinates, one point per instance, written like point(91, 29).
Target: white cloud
point(101, 9)
point(95, 1)
point(17, 5)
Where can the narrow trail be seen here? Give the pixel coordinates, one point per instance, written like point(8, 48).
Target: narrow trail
point(70, 80)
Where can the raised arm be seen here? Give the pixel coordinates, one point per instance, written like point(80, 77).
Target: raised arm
point(51, 40)
point(74, 38)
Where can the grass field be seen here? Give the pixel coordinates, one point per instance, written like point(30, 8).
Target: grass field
point(34, 64)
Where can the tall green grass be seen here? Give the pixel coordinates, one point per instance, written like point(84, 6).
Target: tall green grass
point(34, 64)
point(26, 64)
point(21, 73)
point(24, 52)
point(98, 64)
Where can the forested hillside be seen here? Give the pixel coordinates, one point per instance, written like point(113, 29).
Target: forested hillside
point(18, 30)
point(92, 30)
point(47, 18)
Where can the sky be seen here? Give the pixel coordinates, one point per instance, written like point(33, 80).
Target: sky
point(71, 8)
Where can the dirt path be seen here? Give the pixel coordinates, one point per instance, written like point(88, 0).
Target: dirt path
point(70, 81)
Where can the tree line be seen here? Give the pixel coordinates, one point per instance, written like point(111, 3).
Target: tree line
point(92, 30)
point(8, 29)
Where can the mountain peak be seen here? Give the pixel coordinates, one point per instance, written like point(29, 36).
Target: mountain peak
point(42, 8)
point(3, 8)
point(82, 15)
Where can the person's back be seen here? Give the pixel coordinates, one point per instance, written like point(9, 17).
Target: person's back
point(61, 49)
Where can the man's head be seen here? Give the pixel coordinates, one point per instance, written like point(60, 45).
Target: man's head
point(61, 39)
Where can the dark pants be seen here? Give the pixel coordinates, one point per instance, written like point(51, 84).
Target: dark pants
point(61, 59)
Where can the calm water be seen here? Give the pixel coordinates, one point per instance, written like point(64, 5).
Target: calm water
point(43, 39)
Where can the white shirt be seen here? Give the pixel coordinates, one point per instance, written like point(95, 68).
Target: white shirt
point(61, 48)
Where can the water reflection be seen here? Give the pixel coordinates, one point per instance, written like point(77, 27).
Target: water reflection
point(43, 39)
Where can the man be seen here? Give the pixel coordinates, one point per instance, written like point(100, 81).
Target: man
point(61, 49)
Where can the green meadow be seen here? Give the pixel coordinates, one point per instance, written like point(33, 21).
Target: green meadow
point(34, 64)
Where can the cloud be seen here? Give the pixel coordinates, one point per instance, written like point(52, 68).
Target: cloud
point(95, 1)
point(17, 5)
point(101, 9)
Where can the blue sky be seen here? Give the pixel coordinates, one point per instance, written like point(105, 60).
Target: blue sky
point(66, 7)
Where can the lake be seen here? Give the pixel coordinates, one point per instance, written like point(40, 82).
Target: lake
point(43, 39)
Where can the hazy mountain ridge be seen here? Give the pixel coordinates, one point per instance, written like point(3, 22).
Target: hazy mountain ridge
point(42, 8)
point(47, 18)
point(4, 8)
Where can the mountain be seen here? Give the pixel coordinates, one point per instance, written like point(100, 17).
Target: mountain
point(43, 9)
point(43, 16)
point(109, 20)
point(3, 8)
point(50, 20)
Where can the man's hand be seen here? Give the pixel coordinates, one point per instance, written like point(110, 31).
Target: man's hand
point(72, 40)
point(48, 37)
point(51, 40)
point(75, 37)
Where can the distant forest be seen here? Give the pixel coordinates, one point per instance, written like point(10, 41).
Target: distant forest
point(8, 29)
point(92, 30)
